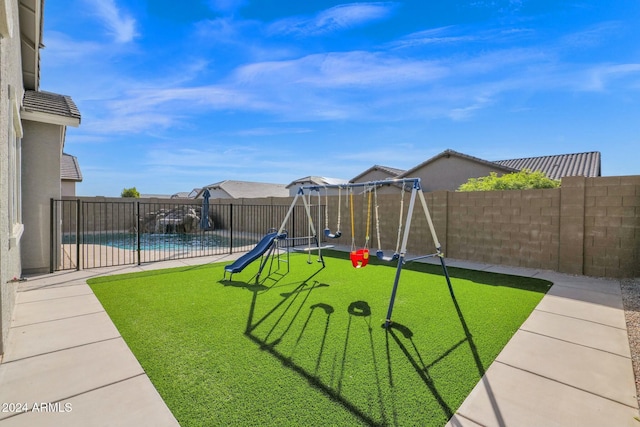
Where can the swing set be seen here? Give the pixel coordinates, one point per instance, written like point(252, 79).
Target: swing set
point(360, 256)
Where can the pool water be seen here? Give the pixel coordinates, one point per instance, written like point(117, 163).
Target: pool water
point(158, 241)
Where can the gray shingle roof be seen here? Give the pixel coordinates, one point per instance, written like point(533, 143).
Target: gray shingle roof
point(69, 168)
point(50, 103)
point(317, 180)
point(558, 166)
point(247, 189)
point(392, 172)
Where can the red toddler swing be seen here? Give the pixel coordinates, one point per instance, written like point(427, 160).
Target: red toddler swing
point(360, 257)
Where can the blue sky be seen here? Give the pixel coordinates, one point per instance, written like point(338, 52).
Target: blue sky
point(180, 94)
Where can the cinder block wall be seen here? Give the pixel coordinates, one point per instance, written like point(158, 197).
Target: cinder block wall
point(517, 228)
point(589, 226)
point(612, 226)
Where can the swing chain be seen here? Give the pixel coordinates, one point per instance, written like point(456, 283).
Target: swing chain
point(326, 209)
point(375, 193)
point(366, 241)
point(353, 231)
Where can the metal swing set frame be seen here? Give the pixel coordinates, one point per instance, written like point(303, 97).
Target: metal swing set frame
point(400, 256)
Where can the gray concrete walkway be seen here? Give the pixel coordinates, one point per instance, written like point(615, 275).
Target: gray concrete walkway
point(568, 365)
point(66, 363)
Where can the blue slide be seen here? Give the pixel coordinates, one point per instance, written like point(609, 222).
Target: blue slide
point(255, 253)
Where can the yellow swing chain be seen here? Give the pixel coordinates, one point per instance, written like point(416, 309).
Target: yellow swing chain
point(353, 234)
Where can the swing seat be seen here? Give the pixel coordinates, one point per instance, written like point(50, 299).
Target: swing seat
point(359, 258)
point(330, 235)
point(382, 257)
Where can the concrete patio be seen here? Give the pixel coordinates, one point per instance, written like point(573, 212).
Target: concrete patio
point(568, 364)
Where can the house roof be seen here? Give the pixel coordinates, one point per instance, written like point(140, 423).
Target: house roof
point(50, 108)
point(247, 189)
point(449, 153)
point(317, 180)
point(180, 195)
point(69, 168)
point(393, 172)
point(558, 166)
point(31, 29)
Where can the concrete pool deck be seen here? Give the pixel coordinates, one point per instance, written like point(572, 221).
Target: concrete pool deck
point(568, 364)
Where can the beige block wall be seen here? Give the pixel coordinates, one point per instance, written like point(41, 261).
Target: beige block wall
point(612, 226)
point(517, 228)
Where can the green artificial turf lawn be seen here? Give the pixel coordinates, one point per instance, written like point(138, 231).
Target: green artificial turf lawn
point(308, 348)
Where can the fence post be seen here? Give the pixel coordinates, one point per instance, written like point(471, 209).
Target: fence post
point(293, 225)
point(51, 237)
point(138, 230)
point(230, 228)
point(78, 215)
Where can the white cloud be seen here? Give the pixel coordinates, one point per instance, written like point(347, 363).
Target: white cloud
point(335, 19)
point(340, 69)
point(119, 24)
point(62, 50)
point(600, 77)
point(592, 36)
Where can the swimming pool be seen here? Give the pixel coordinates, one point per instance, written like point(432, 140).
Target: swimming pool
point(159, 241)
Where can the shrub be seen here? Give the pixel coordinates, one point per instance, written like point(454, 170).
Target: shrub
point(523, 180)
point(130, 192)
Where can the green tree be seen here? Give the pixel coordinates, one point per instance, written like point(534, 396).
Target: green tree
point(523, 180)
point(130, 192)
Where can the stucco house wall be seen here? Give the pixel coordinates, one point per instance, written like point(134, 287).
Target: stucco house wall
point(68, 188)
point(41, 153)
point(374, 175)
point(448, 173)
point(11, 90)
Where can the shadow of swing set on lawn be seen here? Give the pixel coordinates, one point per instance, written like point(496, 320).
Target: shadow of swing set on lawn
point(281, 329)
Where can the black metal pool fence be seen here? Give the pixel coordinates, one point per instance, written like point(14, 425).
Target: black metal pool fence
point(92, 234)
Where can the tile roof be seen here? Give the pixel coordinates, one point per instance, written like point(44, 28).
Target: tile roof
point(558, 166)
point(317, 180)
point(69, 168)
point(247, 189)
point(392, 172)
point(50, 103)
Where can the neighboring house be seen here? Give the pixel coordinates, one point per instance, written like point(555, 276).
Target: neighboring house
point(70, 174)
point(449, 169)
point(186, 194)
point(155, 196)
point(559, 166)
point(194, 193)
point(378, 173)
point(230, 189)
point(32, 132)
point(315, 180)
